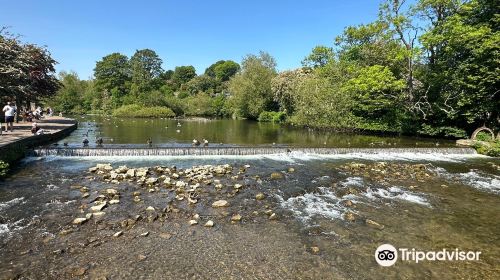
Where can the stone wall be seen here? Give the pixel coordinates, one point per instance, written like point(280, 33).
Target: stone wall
point(17, 149)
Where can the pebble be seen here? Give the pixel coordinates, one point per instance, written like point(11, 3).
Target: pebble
point(193, 222)
point(220, 203)
point(273, 216)
point(114, 201)
point(374, 224)
point(260, 196)
point(315, 249)
point(79, 221)
point(144, 234)
point(118, 234)
point(209, 223)
point(150, 208)
point(236, 218)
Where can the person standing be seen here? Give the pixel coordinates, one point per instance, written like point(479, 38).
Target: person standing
point(10, 112)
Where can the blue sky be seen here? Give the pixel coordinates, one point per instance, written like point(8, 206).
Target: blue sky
point(190, 32)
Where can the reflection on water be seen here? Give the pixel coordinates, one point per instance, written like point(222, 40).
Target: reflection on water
point(426, 204)
point(168, 132)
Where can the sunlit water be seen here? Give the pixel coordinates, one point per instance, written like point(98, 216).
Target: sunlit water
point(456, 207)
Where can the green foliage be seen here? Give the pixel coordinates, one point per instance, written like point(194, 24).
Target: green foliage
point(4, 169)
point(491, 148)
point(27, 71)
point(321, 104)
point(222, 70)
point(183, 74)
point(250, 90)
point(484, 136)
point(269, 116)
point(284, 87)
point(138, 111)
point(319, 57)
point(442, 131)
point(146, 66)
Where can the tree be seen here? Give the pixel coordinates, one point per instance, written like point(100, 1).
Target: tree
point(27, 71)
point(113, 72)
point(319, 57)
point(284, 87)
point(183, 74)
point(224, 71)
point(250, 90)
point(146, 66)
point(199, 84)
point(465, 51)
point(70, 96)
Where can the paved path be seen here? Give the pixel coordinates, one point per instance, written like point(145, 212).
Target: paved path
point(22, 130)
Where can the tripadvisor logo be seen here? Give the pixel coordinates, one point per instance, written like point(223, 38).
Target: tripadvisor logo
point(387, 255)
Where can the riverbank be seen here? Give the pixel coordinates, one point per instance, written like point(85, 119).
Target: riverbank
point(13, 145)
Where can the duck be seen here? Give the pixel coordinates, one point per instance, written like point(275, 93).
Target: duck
point(65, 144)
point(99, 142)
point(205, 142)
point(150, 142)
point(179, 124)
point(196, 142)
point(85, 142)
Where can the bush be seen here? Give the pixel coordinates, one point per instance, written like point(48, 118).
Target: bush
point(491, 149)
point(275, 117)
point(137, 111)
point(484, 136)
point(442, 131)
point(4, 168)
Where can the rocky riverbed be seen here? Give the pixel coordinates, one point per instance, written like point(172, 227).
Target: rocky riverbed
point(241, 219)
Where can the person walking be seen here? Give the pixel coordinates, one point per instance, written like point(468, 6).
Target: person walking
point(10, 112)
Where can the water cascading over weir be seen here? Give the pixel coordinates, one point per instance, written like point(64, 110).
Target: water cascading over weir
point(235, 151)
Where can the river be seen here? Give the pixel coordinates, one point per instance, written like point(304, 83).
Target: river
point(321, 216)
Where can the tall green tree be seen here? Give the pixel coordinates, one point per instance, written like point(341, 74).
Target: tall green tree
point(250, 90)
point(183, 74)
point(146, 66)
point(319, 57)
point(464, 47)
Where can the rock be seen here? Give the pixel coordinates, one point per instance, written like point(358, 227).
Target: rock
point(273, 216)
point(347, 203)
point(93, 169)
point(165, 235)
point(374, 224)
point(79, 271)
point(276, 176)
point(167, 181)
point(137, 199)
point(98, 207)
point(98, 214)
point(144, 234)
point(349, 216)
point(113, 175)
point(193, 222)
point(121, 169)
point(152, 180)
point(79, 221)
point(196, 216)
point(291, 170)
point(236, 218)
point(220, 203)
point(114, 201)
point(141, 172)
point(180, 184)
point(130, 173)
point(175, 176)
point(88, 216)
point(118, 234)
point(237, 186)
point(85, 195)
point(84, 189)
point(150, 208)
point(141, 257)
point(111, 191)
point(209, 223)
point(315, 249)
point(260, 196)
point(136, 193)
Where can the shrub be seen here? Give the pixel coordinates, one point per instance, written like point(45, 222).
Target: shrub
point(4, 168)
point(442, 131)
point(269, 116)
point(137, 111)
point(484, 136)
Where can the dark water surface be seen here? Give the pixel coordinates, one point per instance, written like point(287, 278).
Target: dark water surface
point(423, 201)
point(167, 132)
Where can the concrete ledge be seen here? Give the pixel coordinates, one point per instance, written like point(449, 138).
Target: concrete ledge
point(15, 149)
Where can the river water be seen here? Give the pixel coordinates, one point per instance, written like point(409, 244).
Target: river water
point(323, 208)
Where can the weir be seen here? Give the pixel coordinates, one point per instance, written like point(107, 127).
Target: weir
point(228, 151)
